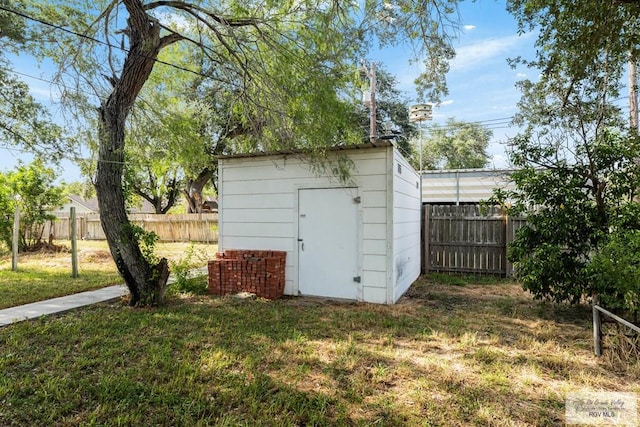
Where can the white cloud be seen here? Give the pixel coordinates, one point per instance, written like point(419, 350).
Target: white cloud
point(447, 102)
point(43, 93)
point(499, 161)
point(474, 55)
point(469, 27)
point(521, 75)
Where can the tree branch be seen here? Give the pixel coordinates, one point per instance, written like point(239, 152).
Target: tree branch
point(194, 10)
point(170, 39)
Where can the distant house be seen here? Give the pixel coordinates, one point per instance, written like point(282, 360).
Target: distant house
point(82, 206)
point(90, 206)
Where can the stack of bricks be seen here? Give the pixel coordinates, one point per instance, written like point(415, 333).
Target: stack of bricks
point(239, 270)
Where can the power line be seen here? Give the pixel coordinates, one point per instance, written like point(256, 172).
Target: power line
point(9, 70)
point(95, 40)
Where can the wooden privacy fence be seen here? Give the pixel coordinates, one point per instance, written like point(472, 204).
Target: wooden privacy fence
point(168, 227)
point(468, 239)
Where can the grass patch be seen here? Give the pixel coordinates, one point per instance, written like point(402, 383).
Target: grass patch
point(467, 279)
point(43, 276)
point(29, 285)
point(445, 355)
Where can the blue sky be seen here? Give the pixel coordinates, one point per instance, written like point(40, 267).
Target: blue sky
point(481, 83)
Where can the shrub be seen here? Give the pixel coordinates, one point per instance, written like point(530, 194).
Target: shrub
point(614, 270)
point(185, 282)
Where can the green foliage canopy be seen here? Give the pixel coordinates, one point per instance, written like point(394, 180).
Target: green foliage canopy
point(23, 121)
point(456, 145)
point(577, 159)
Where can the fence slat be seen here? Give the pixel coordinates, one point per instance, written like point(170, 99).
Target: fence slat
point(468, 239)
point(168, 227)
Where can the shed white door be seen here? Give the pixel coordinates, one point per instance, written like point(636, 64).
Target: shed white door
point(327, 243)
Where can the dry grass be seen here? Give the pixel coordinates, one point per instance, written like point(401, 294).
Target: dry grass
point(485, 355)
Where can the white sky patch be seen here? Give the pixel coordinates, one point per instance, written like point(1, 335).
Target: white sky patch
point(469, 27)
point(474, 55)
point(447, 102)
point(499, 160)
point(521, 75)
point(43, 94)
point(180, 22)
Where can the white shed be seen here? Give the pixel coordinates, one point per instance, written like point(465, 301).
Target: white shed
point(358, 241)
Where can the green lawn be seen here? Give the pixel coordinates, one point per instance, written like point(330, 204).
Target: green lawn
point(42, 276)
point(461, 354)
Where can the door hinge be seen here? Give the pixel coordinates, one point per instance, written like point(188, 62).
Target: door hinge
point(357, 279)
point(357, 200)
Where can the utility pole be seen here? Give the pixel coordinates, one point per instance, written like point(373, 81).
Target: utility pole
point(633, 93)
point(420, 113)
point(371, 102)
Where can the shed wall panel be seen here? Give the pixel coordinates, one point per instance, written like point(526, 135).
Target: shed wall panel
point(375, 216)
point(375, 279)
point(375, 262)
point(259, 201)
point(375, 231)
point(375, 295)
point(374, 199)
point(407, 207)
point(374, 247)
point(254, 215)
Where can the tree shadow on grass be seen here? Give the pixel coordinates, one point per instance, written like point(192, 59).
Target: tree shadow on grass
point(452, 356)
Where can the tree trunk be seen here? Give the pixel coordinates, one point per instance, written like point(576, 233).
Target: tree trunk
point(145, 281)
point(193, 193)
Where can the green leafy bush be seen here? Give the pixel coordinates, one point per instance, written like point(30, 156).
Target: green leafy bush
point(147, 241)
point(614, 271)
point(31, 189)
point(582, 235)
point(182, 270)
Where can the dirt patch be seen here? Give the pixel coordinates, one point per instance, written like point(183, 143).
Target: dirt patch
point(46, 248)
point(96, 256)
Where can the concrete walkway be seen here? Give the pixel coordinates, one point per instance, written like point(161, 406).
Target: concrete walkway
point(70, 302)
point(60, 305)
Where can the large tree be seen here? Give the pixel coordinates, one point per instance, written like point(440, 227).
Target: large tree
point(577, 157)
point(455, 145)
point(164, 132)
point(285, 61)
point(578, 40)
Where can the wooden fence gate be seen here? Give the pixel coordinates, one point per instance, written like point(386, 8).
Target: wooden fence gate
point(468, 239)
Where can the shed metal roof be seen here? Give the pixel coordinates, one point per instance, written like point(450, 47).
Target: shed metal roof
point(345, 147)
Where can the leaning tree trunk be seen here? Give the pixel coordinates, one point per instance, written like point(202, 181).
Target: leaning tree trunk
point(145, 281)
point(193, 192)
